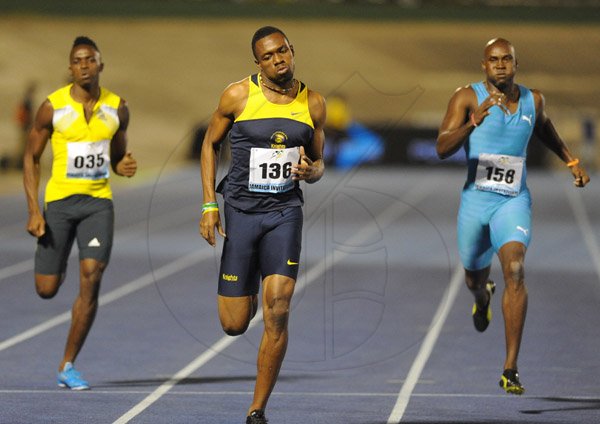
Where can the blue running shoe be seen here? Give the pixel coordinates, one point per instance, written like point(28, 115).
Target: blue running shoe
point(71, 378)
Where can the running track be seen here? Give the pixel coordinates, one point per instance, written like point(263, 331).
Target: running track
point(380, 328)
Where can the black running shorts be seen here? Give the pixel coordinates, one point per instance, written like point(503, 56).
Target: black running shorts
point(87, 218)
point(258, 245)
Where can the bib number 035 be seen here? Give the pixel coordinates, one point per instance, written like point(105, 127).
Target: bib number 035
point(271, 169)
point(88, 159)
point(499, 174)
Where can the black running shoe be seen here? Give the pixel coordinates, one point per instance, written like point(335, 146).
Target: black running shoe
point(483, 317)
point(510, 382)
point(257, 417)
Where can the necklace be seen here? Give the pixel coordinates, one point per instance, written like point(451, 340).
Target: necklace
point(278, 90)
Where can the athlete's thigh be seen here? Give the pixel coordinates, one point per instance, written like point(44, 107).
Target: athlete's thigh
point(512, 222)
point(96, 228)
point(54, 247)
point(239, 274)
point(474, 244)
point(280, 247)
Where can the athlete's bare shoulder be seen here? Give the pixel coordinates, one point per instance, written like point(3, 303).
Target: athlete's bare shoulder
point(234, 97)
point(466, 91)
point(539, 102)
point(316, 107)
point(465, 97)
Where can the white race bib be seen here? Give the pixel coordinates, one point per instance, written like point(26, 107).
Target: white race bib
point(499, 173)
point(88, 159)
point(271, 169)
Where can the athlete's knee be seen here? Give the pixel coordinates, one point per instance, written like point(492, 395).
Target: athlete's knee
point(234, 328)
point(47, 286)
point(91, 270)
point(515, 272)
point(277, 313)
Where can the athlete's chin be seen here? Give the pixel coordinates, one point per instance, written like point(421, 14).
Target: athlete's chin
point(284, 75)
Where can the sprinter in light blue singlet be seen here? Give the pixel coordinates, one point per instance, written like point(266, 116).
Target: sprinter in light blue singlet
point(494, 120)
point(495, 195)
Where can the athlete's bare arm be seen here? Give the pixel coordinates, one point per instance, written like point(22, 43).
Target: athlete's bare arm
point(311, 166)
point(545, 131)
point(462, 116)
point(231, 104)
point(36, 143)
point(123, 163)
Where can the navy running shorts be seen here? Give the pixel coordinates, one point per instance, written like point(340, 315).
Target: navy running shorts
point(257, 245)
point(87, 218)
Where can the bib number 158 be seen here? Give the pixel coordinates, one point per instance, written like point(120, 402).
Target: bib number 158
point(500, 174)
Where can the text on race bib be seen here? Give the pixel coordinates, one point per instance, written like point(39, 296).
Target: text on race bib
point(499, 174)
point(88, 159)
point(271, 169)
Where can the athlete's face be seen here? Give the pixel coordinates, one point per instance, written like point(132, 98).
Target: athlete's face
point(85, 65)
point(275, 57)
point(499, 63)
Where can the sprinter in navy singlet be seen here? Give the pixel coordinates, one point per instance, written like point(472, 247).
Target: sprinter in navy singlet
point(494, 120)
point(275, 126)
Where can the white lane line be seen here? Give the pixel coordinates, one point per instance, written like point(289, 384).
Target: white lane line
point(427, 346)
point(184, 393)
point(128, 288)
point(387, 217)
point(16, 269)
point(583, 221)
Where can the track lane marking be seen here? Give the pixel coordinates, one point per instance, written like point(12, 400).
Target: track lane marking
point(386, 218)
point(583, 221)
point(127, 288)
point(426, 346)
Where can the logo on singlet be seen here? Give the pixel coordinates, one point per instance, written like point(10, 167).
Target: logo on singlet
point(230, 277)
point(526, 118)
point(278, 140)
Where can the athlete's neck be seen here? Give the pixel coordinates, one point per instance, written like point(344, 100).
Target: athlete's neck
point(84, 95)
point(284, 87)
point(509, 89)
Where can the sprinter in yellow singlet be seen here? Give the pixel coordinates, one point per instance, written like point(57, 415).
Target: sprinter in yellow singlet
point(87, 127)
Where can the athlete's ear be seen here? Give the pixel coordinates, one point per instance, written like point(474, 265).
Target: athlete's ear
point(483, 65)
point(292, 50)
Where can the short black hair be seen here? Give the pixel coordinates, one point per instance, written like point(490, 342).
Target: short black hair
point(262, 33)
point(86, 41)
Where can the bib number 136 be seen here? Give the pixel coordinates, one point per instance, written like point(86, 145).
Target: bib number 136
point(276, 170)
point(271, 169)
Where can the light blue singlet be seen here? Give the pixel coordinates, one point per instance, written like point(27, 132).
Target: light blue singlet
point(495, 203)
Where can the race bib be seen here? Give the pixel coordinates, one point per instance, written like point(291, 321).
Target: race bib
point(499, 174)
point(271, 169)
point(88, 159)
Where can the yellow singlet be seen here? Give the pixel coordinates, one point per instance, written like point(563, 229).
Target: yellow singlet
point(81, 149)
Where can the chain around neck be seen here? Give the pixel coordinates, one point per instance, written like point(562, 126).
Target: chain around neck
point(278, 90)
